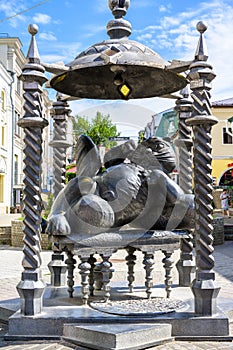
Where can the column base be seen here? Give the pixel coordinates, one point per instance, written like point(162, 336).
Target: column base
point(205, 295)
point(31, 293)
point(58, 269)
point(186, 270)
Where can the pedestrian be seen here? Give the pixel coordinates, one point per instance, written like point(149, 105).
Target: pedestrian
point(224, 196)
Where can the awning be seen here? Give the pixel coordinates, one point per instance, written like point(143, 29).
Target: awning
point(71, 170)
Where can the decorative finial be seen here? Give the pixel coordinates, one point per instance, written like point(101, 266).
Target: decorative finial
point(185, 91)
point(119, 27)
point(33, 29)
point(119, 7)
point(201, 27)
point(33, 54)
point(201, 51)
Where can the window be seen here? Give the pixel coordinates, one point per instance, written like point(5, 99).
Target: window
point(16, 169)
point(17, 128)
point(18, 86)
point(1, 188)
point(3, 136)
point(227, 138)
point(3, 98)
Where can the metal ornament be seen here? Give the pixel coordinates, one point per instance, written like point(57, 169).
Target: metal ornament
point(118, 67)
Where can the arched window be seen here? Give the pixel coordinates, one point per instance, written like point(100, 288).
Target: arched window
point(227, 178)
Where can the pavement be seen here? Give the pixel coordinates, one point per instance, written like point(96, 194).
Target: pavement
point(10, 261)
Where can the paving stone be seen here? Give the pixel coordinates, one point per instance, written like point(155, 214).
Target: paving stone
point(11, 274)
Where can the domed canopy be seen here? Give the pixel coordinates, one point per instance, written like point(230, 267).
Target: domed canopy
point(118, 67)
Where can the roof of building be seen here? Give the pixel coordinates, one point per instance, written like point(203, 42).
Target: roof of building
point(223, 103)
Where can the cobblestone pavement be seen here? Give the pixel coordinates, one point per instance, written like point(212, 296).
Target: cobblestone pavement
point(175, 345)
point(11, 274)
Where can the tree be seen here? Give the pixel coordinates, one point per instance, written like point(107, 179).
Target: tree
point(100, 129)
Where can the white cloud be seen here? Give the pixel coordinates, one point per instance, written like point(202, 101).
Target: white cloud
point(59, 51)
point(177, 37)
point(145, 37)
point(11, 10)
point(41, 18)
point(47, 36)
point(164, 8)
point(91, 30)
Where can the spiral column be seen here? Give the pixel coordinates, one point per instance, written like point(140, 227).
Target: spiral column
point(201, 75)
point(31, 287)
point(60, 113)
point(186, 265)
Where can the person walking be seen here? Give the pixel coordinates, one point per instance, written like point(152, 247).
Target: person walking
point(224, 196)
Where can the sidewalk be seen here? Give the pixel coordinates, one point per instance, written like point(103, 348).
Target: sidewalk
point(10, 261)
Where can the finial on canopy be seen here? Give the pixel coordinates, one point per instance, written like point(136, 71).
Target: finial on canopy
point(119, 27)
point(33, 54)
point(201, 51)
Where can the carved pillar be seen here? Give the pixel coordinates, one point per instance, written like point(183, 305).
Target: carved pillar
point(131, 261)
point(106, 272)
point(168, 265)
point(148, 262)
point(70, 261)
point(84, 271)
point(201, 76)
point(59, 143)
point(60, 113)
point(186, 265)
point(31, 287)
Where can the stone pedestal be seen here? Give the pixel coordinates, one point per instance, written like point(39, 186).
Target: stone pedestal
point(205, 293)
point(31, 290)
point(186, 269)
point(58, 269)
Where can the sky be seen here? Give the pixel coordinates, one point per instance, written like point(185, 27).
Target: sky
point(67, 27)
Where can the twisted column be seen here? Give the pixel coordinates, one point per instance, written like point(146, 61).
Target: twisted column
point(60, 113)
point(184, 142)
point(186, 265)
point(201, 76)
point(31, 287)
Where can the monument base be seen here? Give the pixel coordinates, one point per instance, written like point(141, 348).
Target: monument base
point(60, 310)
point(117, 336)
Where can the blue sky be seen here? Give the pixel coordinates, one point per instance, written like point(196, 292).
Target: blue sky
point(66, 27)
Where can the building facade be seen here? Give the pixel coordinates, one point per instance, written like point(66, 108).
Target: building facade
point(222, 143)
point(12, 60)
point(222, 138)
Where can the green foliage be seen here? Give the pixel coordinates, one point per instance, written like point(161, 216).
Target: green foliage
point(99, 129)
point(141, 135)
point(46, 211)
point(69, 176)
point(81, 126)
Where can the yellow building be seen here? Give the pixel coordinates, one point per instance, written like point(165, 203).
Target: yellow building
point(165, 124)
point(222, 143)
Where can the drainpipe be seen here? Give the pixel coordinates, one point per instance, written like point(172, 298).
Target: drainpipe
point(13, 131)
